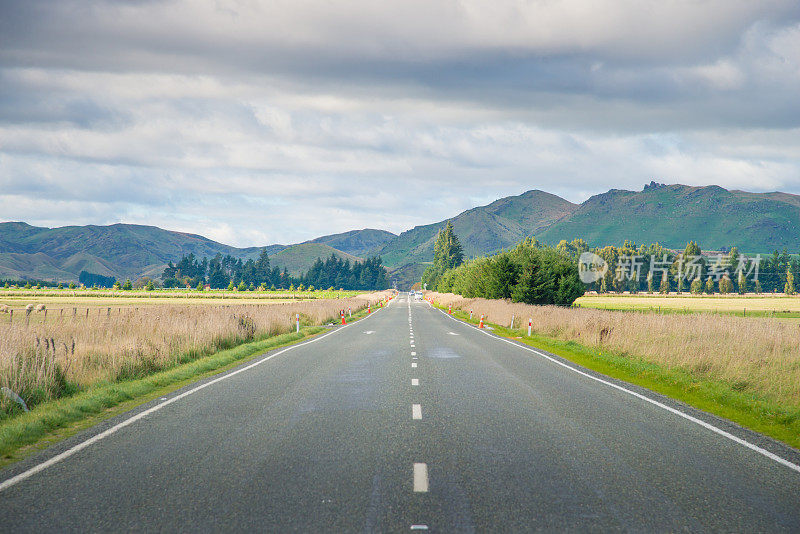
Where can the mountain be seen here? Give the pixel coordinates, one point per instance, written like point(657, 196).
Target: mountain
point(298, 258)
point(675, 214)
point(481, 230)
point(356, 242)
point(119, 250)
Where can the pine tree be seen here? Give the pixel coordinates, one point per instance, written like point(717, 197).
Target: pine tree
point(742, 283)
point(650, 282)
point(447, 254)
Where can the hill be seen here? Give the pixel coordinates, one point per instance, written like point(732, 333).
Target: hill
point(674, 214)
point(119, 250)
point(298, 258)
point(356, 242)
point(481, 230)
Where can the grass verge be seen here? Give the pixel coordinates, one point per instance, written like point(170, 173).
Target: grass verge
point(58, 419)
point(711, 395)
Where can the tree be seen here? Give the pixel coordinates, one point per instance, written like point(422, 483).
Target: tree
point(664, 287)
point(242, 286)
point(650, 282)
point(697, 286)
point(725, 285)
point(71, 285)
point(447, 254)
point(742, 283)
point(710, 285)
point(200, 286)
point(127, 286)
point(789, 287)
point(117, 286)
point(150, 285)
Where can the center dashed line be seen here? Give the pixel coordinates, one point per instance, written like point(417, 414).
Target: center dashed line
point(413, 365)
point(415, 381)
point(420, 478)
point(416, 411)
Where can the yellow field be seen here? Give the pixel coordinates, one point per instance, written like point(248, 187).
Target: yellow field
point(739, 305)
point(67, 299)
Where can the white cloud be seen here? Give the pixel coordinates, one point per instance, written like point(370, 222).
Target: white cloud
point(255, 123)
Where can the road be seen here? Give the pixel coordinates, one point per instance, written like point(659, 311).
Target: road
point(406, 421)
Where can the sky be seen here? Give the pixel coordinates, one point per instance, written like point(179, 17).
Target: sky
point(255, 123)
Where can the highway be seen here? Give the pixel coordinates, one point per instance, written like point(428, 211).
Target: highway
point(407, 421)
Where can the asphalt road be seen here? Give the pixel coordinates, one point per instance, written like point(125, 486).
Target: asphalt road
point(407, 420)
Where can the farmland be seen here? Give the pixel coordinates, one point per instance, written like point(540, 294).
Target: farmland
point(53, 352)
point(743, 305)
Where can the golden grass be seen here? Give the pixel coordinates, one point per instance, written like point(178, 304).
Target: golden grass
point(707, 303)
point(755, 354)
point(40, 360)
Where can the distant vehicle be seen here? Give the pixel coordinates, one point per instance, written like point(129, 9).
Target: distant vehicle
point(418, 296)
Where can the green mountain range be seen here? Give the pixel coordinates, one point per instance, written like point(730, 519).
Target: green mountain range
point(675, 214)
point(669, 214)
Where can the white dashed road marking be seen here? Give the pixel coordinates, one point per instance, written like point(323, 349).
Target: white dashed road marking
point(415, 381)
point(416, 411)
point(420, 478)
point(413, 365)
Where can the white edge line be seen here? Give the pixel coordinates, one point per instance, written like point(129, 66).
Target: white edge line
point(717, 430)
point(94, 439)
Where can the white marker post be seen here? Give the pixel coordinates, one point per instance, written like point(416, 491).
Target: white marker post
point(530, 325)
point(349, 312)
point(298, 323)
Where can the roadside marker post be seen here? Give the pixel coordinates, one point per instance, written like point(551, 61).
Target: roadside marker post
point(470, 314)
point(480, 325)
point(530, 325)
point(298, 322)
point(450, 309)
point(349, 312)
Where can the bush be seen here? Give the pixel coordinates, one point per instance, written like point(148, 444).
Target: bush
point(71, 285)
point(529, 273)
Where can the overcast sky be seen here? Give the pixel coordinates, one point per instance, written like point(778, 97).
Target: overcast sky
point(274, 122)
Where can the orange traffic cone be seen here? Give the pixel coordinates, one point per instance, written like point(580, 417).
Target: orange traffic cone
point(480, 325)
point(450, 309)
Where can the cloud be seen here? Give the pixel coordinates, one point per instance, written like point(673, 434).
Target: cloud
point(277, 122)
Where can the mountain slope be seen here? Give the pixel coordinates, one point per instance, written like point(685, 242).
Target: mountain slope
point(356, 242)
point(299, 258)
point(674, 214)
point(481, 230)
point(120, 250)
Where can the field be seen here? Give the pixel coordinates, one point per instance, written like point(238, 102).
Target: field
point(54, 352)
point(750, 361)
point(743, 305)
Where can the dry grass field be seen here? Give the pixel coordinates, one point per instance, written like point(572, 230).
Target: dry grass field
point(779, 305)
point(760, 355)
point(44, 359)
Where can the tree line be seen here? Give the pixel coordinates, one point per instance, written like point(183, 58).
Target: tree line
point(655, 269)
point(529, 273)
point(222, 272)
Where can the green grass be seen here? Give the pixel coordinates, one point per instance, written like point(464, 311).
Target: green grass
point(706, 393)
point(25, 433)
